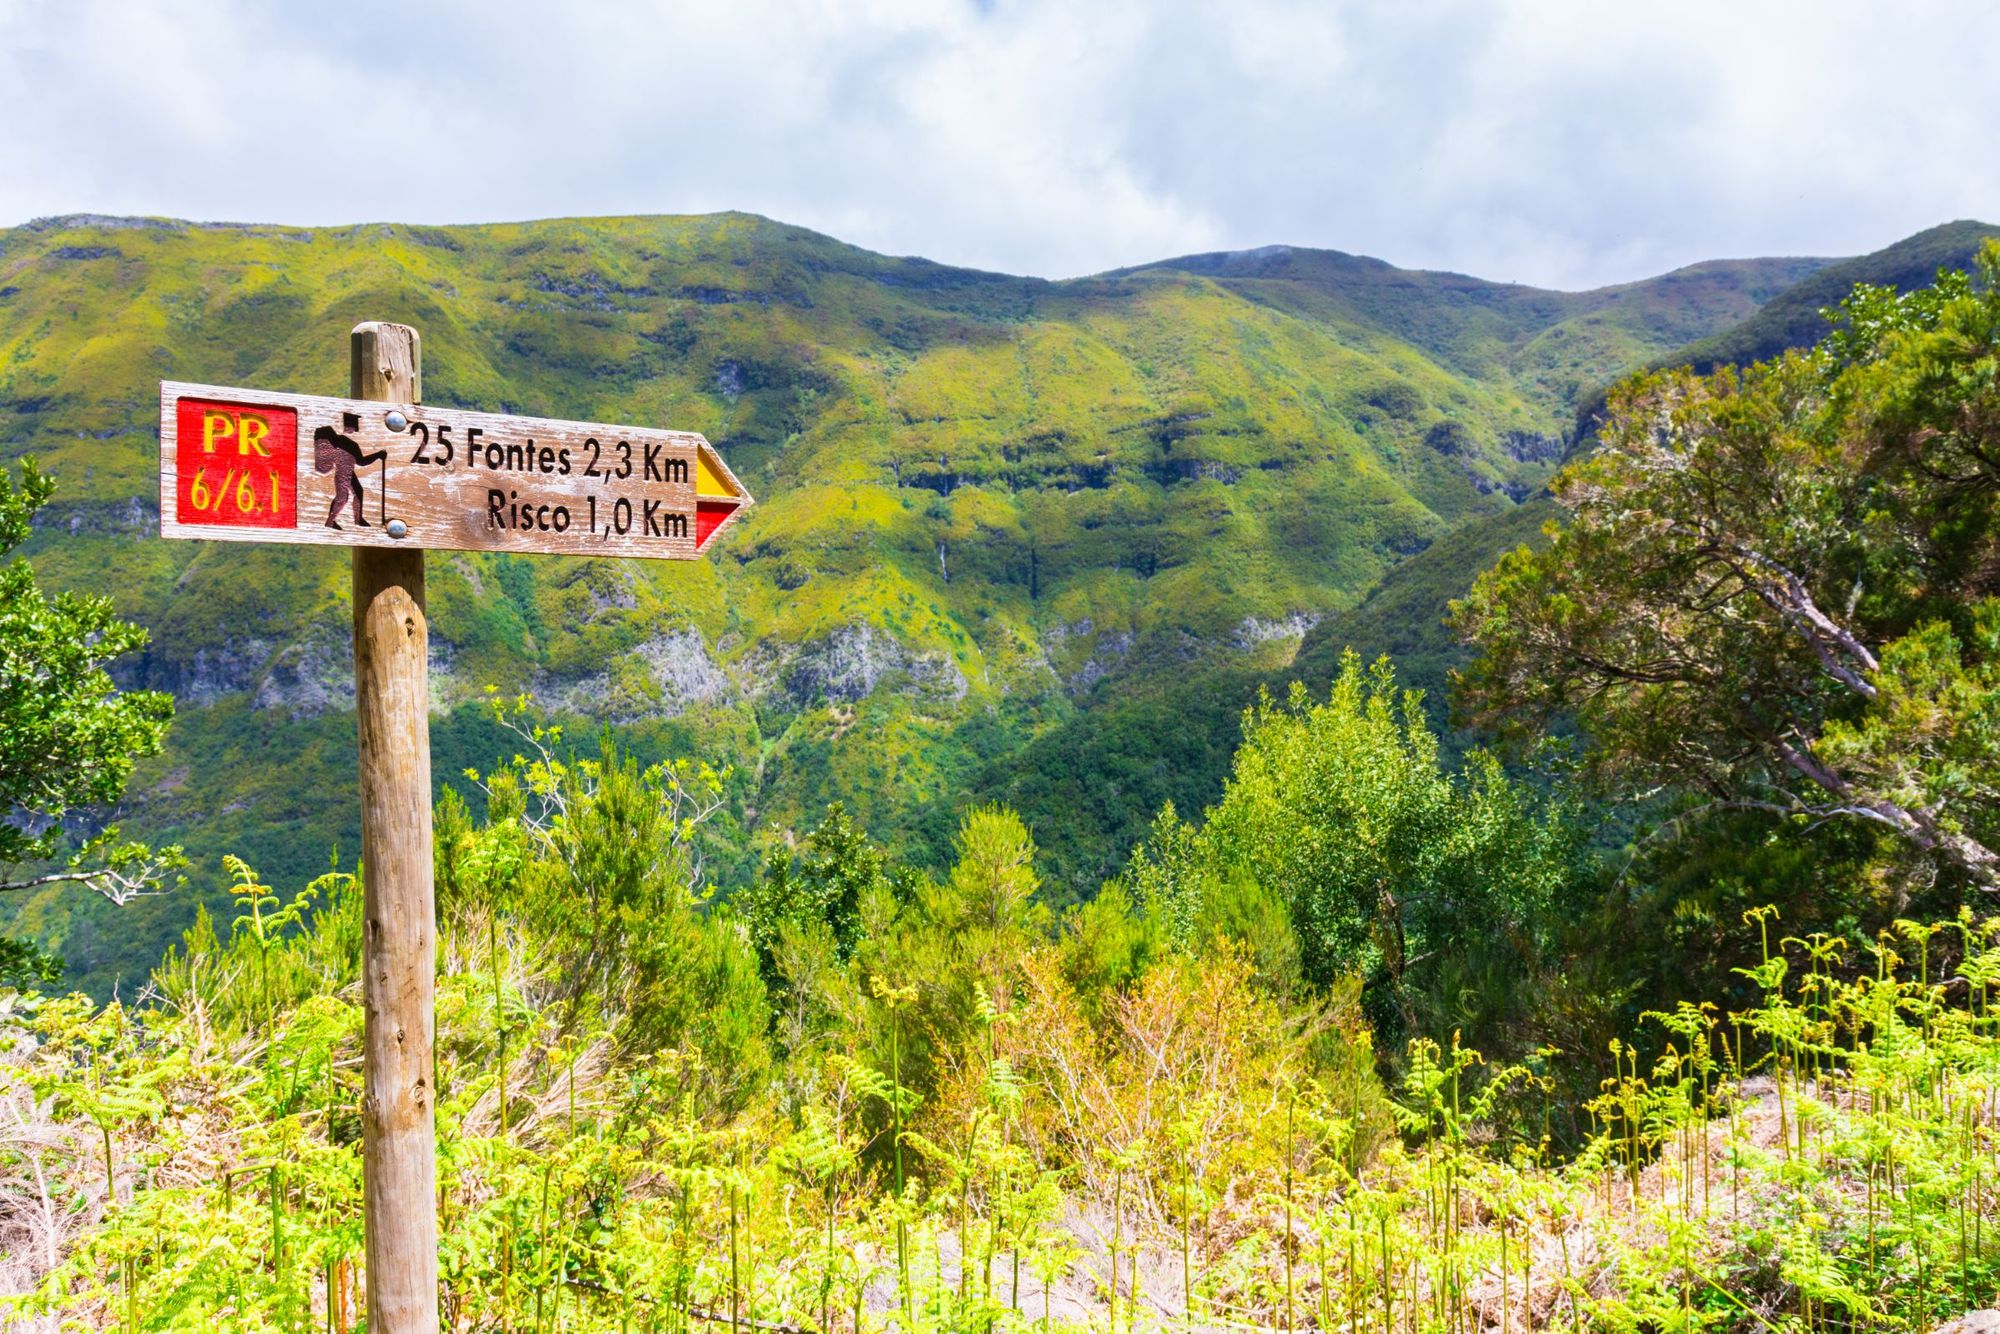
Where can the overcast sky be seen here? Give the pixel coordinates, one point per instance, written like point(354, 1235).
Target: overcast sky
point(1552, 143)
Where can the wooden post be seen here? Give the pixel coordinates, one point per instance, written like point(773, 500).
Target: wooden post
point(398, 959)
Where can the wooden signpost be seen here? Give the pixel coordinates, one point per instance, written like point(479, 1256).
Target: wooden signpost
point(245, 465)
point(389, 477)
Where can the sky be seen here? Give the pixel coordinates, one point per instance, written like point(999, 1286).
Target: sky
point(1560, 144)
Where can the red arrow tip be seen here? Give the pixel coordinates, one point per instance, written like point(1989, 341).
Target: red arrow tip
point(709, 516)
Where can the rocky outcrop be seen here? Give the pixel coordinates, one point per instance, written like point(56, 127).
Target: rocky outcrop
point(316, 675)
point(856, 660)
point(663, 677)
point(310, 677)
point(227, 668)
point(1257, 630)
point(679, 664)
point(1107, 651)
point(1973, 1322)
point(126, 518)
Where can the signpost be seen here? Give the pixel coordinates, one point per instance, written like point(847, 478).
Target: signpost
point(389, 477)
point(247, 465)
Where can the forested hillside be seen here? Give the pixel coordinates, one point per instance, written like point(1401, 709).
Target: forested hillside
point(1167, 739)
point(1659, 997)
point(992, 507)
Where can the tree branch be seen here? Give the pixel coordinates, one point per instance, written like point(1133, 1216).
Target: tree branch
point(118, 885)
point(1920, 827)
point(1791, 599)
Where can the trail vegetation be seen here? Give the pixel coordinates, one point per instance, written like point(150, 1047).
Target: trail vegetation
point(874, 1100)
point(1660, 997)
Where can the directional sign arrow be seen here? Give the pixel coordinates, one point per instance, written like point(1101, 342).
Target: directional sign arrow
point(252, 465)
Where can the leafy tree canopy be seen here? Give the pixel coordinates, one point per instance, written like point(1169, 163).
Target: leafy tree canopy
point(1383, 861)
point(822, 882)
point(1776, 587)
point(68, 736)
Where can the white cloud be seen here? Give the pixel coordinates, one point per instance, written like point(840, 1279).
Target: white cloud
point(1559, 143)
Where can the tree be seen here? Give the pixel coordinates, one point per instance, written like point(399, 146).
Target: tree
point(945, 954)
point(1383, 861)
point(68, 735)
point(25, 966)
point(821, 884)
point(1773, 591)
point(598, 863)
point(977, 923)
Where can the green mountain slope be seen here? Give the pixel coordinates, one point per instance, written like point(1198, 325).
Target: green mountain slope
point(991, 508)
point(1090, 787)
point(1119, 762)
point(1792, 318)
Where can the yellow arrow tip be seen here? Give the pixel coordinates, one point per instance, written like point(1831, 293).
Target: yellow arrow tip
point(707, 480)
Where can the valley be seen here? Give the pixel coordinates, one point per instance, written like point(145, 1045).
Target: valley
point(1016, 540)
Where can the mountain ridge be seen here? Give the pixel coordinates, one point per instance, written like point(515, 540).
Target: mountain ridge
point(1793, 318)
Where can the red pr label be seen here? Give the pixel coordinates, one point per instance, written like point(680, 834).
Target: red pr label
point(238, 464)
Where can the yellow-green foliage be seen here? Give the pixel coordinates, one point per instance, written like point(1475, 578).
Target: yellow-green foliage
point(1012, 487)
point(971, 1117)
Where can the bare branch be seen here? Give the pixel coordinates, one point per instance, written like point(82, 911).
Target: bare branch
point(119, 885)
point(1788, 595)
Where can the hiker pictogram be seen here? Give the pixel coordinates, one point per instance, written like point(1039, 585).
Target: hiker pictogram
point(340, 455)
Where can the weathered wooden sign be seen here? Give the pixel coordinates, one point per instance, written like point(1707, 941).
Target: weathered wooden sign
point(249, 465)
